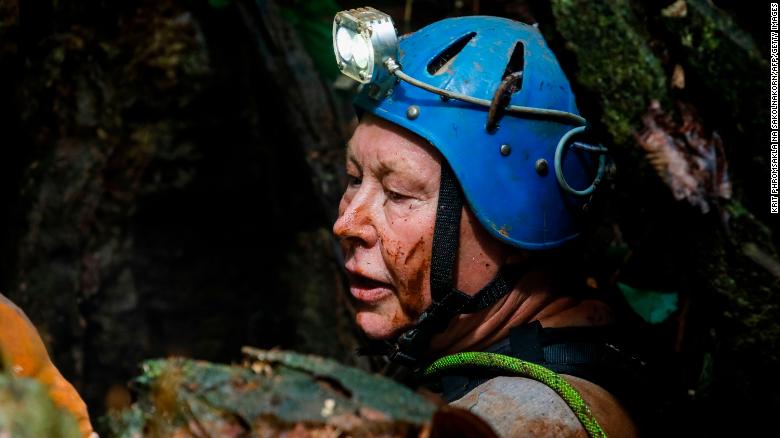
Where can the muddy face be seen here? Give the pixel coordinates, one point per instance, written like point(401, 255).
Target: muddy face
point(385, 227)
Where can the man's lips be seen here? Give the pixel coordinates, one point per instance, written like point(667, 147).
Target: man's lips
point(367, 290)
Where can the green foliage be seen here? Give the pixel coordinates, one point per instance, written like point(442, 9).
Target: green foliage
point(653, 306)
point(313, 20)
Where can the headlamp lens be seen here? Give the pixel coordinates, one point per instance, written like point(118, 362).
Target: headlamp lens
point(344, 44)
point(361, 51)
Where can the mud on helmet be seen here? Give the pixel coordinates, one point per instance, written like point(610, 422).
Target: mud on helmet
point(490, 96)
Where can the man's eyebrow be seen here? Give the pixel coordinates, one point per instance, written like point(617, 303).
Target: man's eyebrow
point(351, 158)
point(385, 169)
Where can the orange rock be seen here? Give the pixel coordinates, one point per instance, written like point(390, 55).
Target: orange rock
point(23, 353)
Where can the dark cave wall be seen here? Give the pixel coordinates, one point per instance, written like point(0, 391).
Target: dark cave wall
point(158, 196)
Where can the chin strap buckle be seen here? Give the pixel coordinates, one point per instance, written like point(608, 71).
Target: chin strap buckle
point(407, 350)
point(410, 347)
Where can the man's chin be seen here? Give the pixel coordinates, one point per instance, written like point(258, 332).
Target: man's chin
point(379, 327)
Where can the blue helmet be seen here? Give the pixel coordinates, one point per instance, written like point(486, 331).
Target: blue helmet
point(518, 172)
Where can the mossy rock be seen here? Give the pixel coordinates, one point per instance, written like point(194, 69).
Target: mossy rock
point(614, 61)
point(721, 56)
point(273, 393)
point(27, 411)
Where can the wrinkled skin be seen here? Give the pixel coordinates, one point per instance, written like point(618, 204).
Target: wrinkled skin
point(23, 353)
point(385, 226)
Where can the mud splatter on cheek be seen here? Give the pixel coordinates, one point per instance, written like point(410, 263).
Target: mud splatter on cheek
point(416, 264)
point(396, 252)
point(420, 244)
point(412, 297)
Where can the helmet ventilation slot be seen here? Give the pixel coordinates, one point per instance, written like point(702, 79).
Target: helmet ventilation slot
point(511, 82)
point(441, 62)
point(515, 68)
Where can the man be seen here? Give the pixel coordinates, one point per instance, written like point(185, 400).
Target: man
point(464, 183)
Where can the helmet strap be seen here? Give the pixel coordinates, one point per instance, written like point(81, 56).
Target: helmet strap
point(448, 302)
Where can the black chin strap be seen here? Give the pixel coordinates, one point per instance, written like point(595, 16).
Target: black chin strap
point(448, 302)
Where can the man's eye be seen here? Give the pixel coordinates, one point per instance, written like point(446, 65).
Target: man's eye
point(354, 180)
point(395, 196)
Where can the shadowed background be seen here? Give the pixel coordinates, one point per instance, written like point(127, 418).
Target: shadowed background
point(171, 170)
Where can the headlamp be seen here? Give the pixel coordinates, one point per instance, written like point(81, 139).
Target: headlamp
point(363, 40)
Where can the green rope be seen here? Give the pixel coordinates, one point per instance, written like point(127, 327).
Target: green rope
point(525, 369)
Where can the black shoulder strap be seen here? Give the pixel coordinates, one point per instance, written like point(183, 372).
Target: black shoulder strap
point(592, 353)
point(587, 352)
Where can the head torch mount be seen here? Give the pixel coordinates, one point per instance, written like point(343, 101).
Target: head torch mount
point(363, 40)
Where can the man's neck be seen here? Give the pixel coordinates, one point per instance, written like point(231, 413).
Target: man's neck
point(531, 299)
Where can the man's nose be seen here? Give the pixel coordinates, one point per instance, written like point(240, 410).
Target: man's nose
point(356, 222)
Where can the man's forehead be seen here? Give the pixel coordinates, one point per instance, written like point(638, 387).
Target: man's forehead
point(388, 144)
point(384, 156)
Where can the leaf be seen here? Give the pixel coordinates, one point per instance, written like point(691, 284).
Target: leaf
point(678, 77)
point(653, 306)
point(690, 160)
point(678, 9)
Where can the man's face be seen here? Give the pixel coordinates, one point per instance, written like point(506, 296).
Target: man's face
point(385, 226)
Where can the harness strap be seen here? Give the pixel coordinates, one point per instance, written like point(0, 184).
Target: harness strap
point(595, 354)
point(447, 301)
point(444, 253)
point(446, 234)
point(508, 364)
